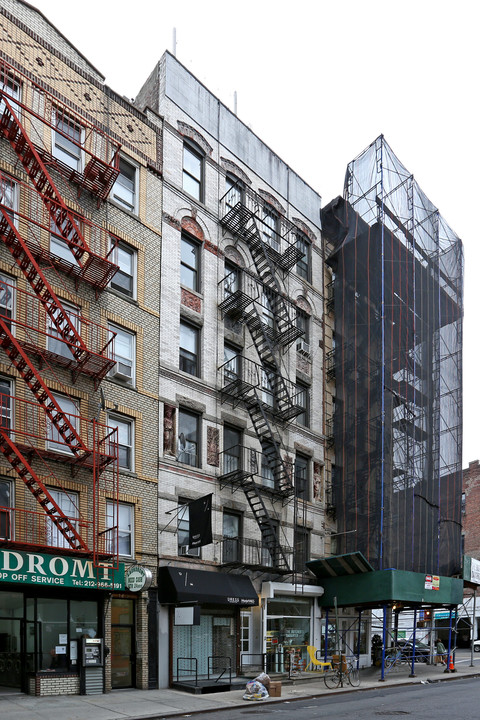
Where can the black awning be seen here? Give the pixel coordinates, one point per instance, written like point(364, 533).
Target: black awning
point(178, 586)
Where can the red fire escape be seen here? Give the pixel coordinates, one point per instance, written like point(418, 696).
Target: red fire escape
point(41, 326)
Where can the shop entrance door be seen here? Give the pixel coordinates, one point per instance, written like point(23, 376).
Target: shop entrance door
point(123, 643)
point(11, 652)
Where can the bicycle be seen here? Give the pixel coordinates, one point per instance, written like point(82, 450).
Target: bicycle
point(342, 672)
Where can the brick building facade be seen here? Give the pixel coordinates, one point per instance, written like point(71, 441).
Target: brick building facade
point(79, 274)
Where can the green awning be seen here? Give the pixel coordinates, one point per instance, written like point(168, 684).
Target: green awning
point(339, 565)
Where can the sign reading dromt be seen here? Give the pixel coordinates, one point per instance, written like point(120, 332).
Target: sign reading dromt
point(58, 571)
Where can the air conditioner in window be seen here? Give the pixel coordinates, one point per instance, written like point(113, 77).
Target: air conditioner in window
point(303, 347)
point(187, 550)
point(121, 371)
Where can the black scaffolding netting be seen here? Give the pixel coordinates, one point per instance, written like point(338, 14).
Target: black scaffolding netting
point(398, 283)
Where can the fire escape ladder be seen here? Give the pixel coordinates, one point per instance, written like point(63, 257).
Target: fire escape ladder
point(267, 528)
point(40, 492)
point(32, 378)
point(267, 432)
point(40, 285)
point(35, 168)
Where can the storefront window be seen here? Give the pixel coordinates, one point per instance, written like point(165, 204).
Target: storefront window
point(288, 633)
point(214, 637)
point(83, 619)
point(52, 633)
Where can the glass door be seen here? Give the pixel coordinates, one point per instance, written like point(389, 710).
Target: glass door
point(11, 656)
point(123, 643)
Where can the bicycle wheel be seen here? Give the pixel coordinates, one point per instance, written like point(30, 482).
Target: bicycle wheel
point(354, 677)
point(332, 679)
point(390, 660)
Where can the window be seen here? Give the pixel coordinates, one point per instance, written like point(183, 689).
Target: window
point(231, 537)
point(232, 450)
point(120, 523)
point(6, 409)
point(268, 387)
point(188, 438)
point(303, 324)
point(269, 229)
point(55, 343)
point(123, 354)
point(189, 263)
point(125, 441)
point(268, 464)
point(12, 88)
point(267, 314)
point(124, 192)
point(301, 477)
point(67, 140)
point(270, 545)
point(304, 263)
point(193, 170)
point(9, 196)
point(58, 243)
point(7, 298)
point(232, 364)
point(235, 190)
point(68, 504)
point(188, 361)
point(124, 279)
point(232, 279)
point(302, 401)
point(6, 514)
point(301, 548)
point(55, 440)
point(183, 528)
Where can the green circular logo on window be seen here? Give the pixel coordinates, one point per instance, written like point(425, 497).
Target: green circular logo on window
point(138, 578)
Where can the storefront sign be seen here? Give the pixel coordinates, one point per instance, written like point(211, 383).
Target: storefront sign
point(58, 571)
point(138, 578)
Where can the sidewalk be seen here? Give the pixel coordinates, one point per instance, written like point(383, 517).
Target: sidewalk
point(144, 704)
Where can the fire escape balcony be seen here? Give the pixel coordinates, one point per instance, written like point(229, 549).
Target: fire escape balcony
point(29, 322)
point(45, 230)
point(246, 214)
point(32, 431)
point(247, 382)
point(238, 464)
point(329, 292)
point(249, 553)
point(330, 364)
point(81, 151)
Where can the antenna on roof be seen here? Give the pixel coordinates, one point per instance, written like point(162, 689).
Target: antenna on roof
point(174, 50)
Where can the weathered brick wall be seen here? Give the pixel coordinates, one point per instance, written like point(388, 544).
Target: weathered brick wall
point(471, 516)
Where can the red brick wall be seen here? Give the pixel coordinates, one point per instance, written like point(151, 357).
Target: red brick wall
point(471, 516)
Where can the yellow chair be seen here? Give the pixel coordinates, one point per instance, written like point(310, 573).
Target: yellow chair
point(312, 652)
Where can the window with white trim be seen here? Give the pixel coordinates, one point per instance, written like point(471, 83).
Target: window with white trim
point(55, 343)
point(124, 280)
point(6, 510)
point(124, 191)
point(125, 427)
point(68, 137)
point(193, 161)
point(188, 349)
point(7, 299)
point(123, 354)
point(120, 526)
point(304, 263)
point(12, 88)
point(68, 504)
point(9, 197)
point(188, 438)
point(183, 529)
point(58, 243)
point(55, 440)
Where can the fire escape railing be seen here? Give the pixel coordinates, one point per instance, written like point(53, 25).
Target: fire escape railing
point(36, 334)
point(267, 395)
point(45, 215)
point(246, 552)
point(96, 153)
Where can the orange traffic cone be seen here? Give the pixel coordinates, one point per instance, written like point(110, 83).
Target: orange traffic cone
point(451, 666)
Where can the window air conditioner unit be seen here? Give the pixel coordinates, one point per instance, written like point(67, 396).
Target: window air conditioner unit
point(121, 371)
point(303, 347)
point(183, 549)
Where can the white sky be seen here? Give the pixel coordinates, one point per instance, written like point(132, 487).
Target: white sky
point(318, 81)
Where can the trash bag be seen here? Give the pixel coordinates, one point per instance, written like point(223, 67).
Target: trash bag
point(264, 679)
point(255, 691)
